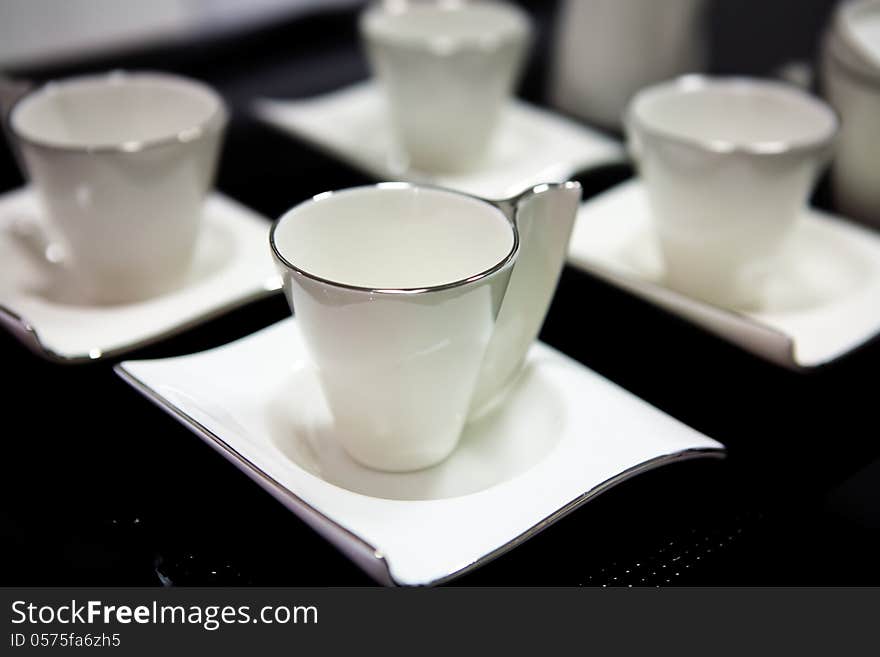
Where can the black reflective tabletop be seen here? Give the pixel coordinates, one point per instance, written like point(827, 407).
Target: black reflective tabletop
point(101, 488)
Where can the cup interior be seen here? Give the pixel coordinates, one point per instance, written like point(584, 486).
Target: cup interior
point(394, 237)
point(116, 110)
point(731, 114)
point(445, 26)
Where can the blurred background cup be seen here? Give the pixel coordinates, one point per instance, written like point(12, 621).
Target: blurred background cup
point(851, 82)
point(606, 50)
point(728, 164)
point(122, 163)
point(447, 69)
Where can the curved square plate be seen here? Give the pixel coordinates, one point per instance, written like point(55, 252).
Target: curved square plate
point(563, 436)
point(232, 267)
point(823, 301)
point(533, 145)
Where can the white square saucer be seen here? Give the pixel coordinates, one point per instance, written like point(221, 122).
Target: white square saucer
point(533, 145)
point(232, 267)
point(822, 302)
point(564, 435)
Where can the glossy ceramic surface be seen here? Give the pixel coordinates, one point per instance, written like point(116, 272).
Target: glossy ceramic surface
point(122, 163)
point(532, 145)
point(447, 70)
point(819, 304)
point(850, 75)
point(565, 436)
point(855, 30)
point(42, 306)
point(728, 164)
point(420, 307)
point(606, 50)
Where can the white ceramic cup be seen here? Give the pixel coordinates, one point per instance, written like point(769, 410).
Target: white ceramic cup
point(728, 164)
point(606, 50)
point(122, 163)
point(447, 70)
point(851, 82)
point(396, 290)
point(855, 30)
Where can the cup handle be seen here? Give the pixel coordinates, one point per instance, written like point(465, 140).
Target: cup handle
point(544, 217)
point(30, 231)
point(31, 234)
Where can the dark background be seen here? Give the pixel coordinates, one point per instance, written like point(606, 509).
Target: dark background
point(100, 488)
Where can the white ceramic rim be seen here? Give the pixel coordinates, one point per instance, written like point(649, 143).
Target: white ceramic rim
point(506, 261)
point(443, 44)
point(765, 149)
point(214, 122)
